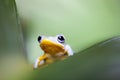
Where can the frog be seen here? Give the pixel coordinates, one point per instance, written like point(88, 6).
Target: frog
point(54, 48)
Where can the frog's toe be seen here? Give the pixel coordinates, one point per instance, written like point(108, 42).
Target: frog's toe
point(36, 63)
point(42, 62)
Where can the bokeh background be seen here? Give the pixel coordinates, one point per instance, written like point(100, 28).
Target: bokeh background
point(83, 22)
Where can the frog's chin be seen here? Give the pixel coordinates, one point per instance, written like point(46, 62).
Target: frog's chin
point(51, 47)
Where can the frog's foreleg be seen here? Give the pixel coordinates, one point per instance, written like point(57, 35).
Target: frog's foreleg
point(69, 50)
point(40, 61)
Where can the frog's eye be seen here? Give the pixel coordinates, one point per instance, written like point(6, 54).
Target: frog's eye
point(39, 38)
point(61, 39)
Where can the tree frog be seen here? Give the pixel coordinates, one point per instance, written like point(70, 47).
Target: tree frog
point(54, 48)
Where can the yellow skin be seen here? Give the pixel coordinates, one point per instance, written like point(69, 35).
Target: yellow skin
point(53, 49)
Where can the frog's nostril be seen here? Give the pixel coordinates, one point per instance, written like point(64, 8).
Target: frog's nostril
point(39, 38)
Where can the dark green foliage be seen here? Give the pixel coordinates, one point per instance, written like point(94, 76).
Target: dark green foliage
point(10, 29)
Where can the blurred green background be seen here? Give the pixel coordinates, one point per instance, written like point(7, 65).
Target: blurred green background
point(83, 22)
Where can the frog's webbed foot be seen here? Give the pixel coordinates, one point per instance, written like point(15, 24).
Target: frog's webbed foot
point(40, 61)
point(43, 60)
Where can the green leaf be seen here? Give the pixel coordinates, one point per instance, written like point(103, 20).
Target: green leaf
point(102, 61)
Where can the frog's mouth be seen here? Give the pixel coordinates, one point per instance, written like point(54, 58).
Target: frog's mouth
point(51, 47)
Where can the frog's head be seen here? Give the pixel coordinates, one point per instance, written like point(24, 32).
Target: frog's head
point(52, 45)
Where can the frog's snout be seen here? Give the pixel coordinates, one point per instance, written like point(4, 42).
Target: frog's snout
point(51, 47)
